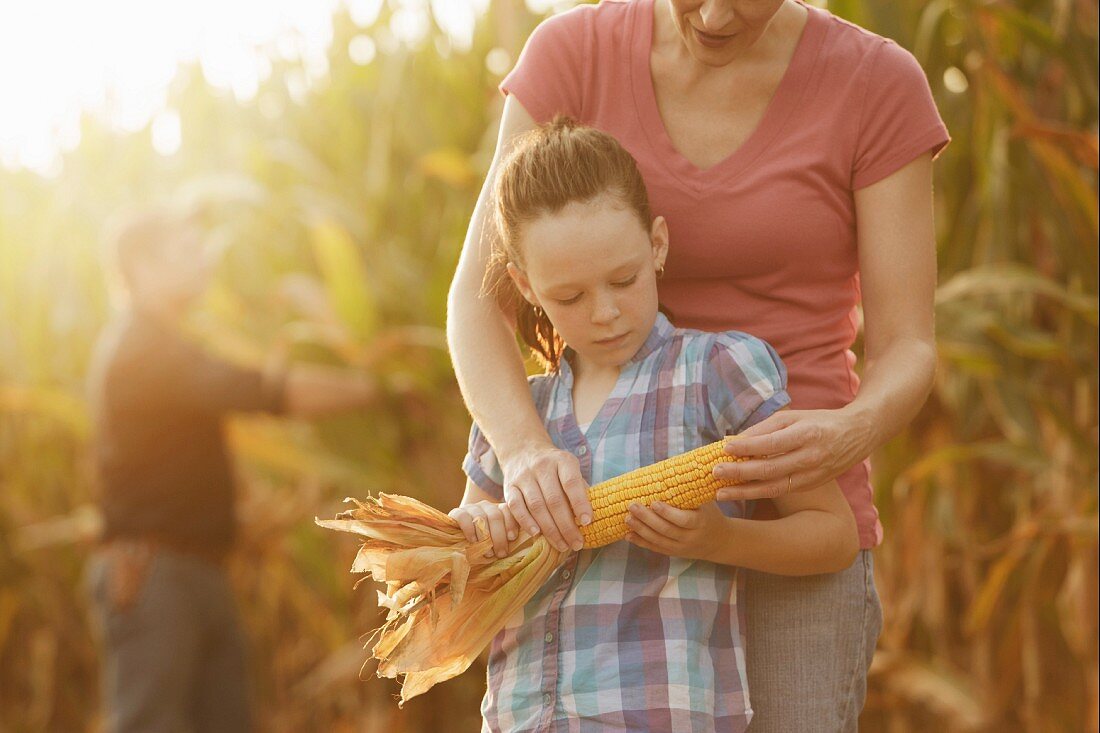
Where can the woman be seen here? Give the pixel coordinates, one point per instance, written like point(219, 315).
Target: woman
point(791, 153)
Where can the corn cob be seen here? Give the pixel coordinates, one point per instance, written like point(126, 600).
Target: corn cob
point(447, 600)
point(685, 481)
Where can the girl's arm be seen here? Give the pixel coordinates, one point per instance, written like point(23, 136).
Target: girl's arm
point(476, 503)
point(816, 534)
point(897, 264)
point(543, 485)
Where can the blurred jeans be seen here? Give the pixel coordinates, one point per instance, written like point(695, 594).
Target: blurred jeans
point(172, 646)
point(810, 643)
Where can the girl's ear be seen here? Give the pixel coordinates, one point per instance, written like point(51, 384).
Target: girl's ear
point(519, 277)
point(658, 235)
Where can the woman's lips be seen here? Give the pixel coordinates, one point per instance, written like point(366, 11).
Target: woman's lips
point(710, 40)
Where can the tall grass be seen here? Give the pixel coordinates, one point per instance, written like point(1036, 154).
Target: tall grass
point(345, 213)
point(990, 499)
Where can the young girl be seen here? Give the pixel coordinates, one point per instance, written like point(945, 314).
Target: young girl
point(646, 634)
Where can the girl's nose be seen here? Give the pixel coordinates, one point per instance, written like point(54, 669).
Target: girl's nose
point(606, 309)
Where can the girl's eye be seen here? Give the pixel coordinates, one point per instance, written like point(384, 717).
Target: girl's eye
point(569, 301)
point(626, 283)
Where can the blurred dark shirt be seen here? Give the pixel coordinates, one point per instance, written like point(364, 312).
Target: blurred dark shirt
point(159, 402)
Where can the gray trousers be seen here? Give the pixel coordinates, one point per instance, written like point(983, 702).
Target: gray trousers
point(173, 657)
point(810, 643)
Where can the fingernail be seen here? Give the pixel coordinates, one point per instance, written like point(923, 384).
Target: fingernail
point(511, 535)
point(533, 529)
point(585, 519)
point(577, 545)
point(490, 553)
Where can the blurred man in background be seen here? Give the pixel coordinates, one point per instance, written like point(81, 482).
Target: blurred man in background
point(173, 647)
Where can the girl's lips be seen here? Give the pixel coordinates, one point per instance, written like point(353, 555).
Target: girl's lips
point(614, 341)
point(709, 40)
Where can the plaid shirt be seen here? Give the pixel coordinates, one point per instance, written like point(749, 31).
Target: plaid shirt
point(622, 638)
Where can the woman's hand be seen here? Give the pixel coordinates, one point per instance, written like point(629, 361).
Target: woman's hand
point(545, 492)
point(690, 533)
point(501, 525)
point(794, 450)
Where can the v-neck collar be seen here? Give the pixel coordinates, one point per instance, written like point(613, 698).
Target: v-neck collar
point(784, 100)
point(659, 334)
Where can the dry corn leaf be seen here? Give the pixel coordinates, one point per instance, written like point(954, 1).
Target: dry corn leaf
point(446, 600)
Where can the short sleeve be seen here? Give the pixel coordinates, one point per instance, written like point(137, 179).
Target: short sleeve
point(221, 386)
point(181, 376)
point(745, 382)
point(899, 121)
point(481, 466)
point(548, 78)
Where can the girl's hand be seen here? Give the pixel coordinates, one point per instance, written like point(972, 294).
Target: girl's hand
point(502, 525)
point(545, 492)
point(794, 450)
point(690, 533)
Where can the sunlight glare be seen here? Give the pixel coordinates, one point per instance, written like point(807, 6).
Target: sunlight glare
point(361, 49)
point(166, 132)
point(115, 59)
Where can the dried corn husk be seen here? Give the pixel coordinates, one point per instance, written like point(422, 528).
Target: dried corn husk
point(446, 600)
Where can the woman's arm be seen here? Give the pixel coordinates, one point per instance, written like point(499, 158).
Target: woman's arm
point(543, 485)
point(816, 534)
point(897, 262)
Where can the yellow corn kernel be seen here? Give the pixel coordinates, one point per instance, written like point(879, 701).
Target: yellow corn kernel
point(685, 481)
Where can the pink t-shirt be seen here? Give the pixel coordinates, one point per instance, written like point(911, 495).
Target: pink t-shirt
point(765, 240)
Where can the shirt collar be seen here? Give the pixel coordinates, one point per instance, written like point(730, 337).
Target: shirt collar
point(658, 335)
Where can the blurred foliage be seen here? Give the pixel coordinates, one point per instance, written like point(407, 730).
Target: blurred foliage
point(343, 211)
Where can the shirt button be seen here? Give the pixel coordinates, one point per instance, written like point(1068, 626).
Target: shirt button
point(582, 450)
point(549, 638)
point(546, 699)
point(565, 574)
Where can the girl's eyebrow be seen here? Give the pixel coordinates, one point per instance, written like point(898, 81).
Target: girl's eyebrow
point(624, 270)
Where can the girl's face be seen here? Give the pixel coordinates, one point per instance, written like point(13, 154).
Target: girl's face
point(716, 32)
point(592, 267)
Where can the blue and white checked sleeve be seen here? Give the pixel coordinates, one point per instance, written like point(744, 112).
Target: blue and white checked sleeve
point(745, 381)
point(481, 465)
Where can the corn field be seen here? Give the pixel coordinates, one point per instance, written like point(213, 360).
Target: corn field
point(344, 212)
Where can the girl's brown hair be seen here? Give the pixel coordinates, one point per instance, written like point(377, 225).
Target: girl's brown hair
point(556, 164)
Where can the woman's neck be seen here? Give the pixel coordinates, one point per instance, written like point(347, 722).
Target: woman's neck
point(775, 44)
